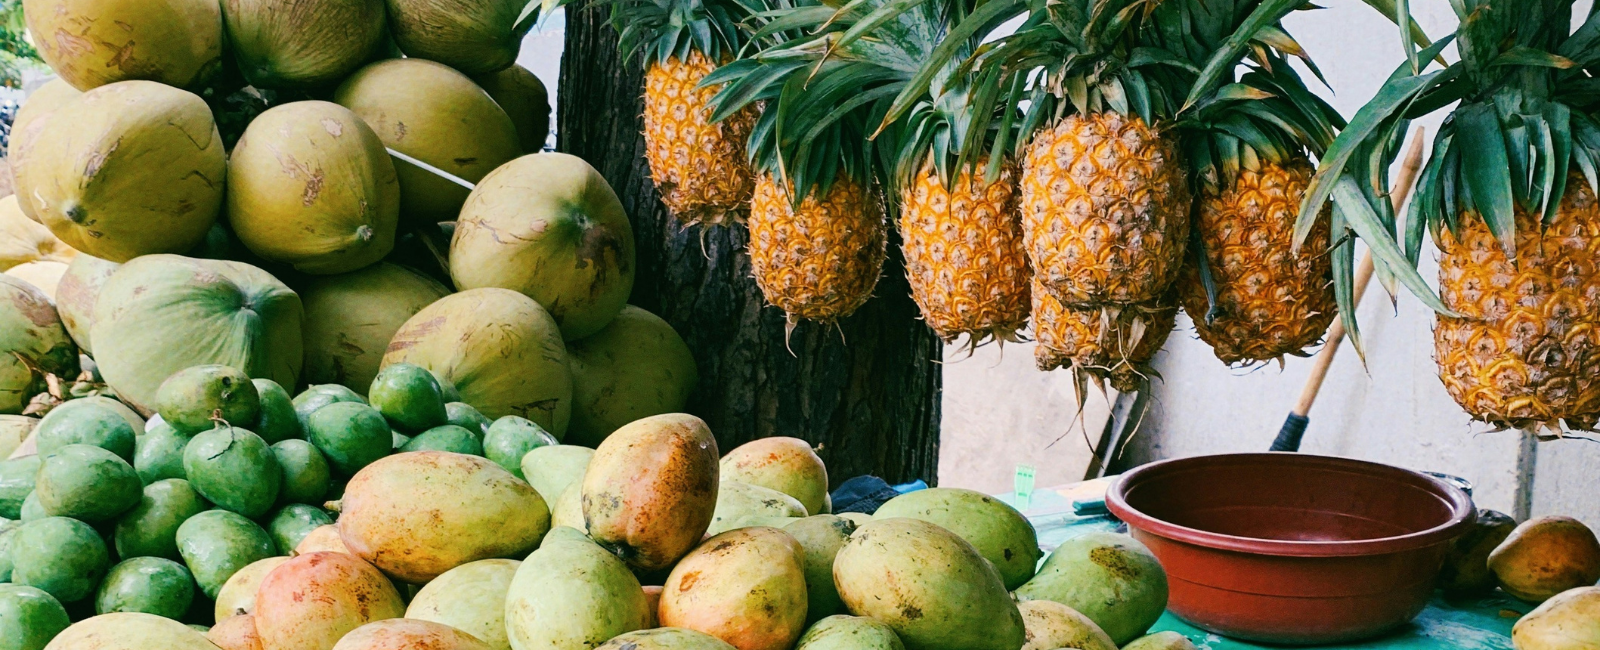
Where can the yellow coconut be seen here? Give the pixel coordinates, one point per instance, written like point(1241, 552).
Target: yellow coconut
point(501, 349)
point(46, 275)
point(437, 115)
point(33, 343)
point(23, 240)
point(350, 319)
point(525, 100)
point(41, 103)
point(310, 185)
point(91, 43)
point(302, 43)
point(472, 36)
point(76, 293)
point(128, 169)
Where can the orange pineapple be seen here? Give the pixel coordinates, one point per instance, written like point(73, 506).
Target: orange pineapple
point(819, 261)
point(698, 166)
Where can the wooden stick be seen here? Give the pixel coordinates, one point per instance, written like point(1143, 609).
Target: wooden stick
point(1336, 333)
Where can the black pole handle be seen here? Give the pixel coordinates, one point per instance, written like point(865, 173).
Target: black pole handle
point(1294, 428)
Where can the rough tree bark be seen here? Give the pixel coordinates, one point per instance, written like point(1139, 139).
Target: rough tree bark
point(866, 393)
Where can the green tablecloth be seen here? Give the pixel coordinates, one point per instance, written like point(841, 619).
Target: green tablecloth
point(1482, 625)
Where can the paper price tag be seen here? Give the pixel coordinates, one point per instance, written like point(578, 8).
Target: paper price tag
point(1022, 485)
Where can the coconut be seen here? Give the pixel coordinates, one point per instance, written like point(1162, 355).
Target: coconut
point(303, 43)
point(436, 115)
point(525, 100)
point(29, 121)
point(501, 349)
point(636, 367)
point(24, 240)
point(350, 319)
point(45, 275)
point(310, 185)
point(472, 36)
point(548, 225)
point(32, 343)
point(76, 293)
point(163, 313)
point(128, 169)
point(91, 43)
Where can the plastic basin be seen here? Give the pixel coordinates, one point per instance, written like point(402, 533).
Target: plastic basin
point(1290, 548)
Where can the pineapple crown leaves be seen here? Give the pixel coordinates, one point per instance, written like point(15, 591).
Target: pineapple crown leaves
point(668, 29)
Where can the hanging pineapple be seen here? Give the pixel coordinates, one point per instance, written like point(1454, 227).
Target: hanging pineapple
point(1509, 196)
point(698, 165)
point(1116, 343)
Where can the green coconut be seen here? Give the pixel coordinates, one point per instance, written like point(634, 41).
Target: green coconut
point(524, 98)
point(351, 317)
point(437, 115)
point(76, 293)
point(91, 43)
point(310, 185)
point(472, 36)
point(33, 343)
point(636, 367)
point(163, 313)
point(501, 350)
point(29, 122)
point(548, 225)
point(128, 169)
point(306, 44)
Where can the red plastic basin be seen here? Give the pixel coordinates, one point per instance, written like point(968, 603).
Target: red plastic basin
point(1292, 549)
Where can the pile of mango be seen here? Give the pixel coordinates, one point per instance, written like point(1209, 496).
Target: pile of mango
point(237, 518)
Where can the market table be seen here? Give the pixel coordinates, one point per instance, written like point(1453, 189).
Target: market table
point(1480, 625)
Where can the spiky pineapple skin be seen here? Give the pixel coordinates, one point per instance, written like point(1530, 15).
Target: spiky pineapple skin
point(1114, 343)
point(698, 166)
point(1270, 300)
point(1105, 208)
point(1526, 351)
point(822, 261)
point(964, 258)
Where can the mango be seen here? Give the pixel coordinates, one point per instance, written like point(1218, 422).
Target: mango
point(277, 420)
point(159, 455)
point(569, 510)
point(665, 638)
point(787, 465)
point(217, 543)
point(8, 531)
point(821, 537)
point(448, 437)
point(465, 416)
point(29, 617)
point(651, 489)
point(1543, 557)
point(470, 598)
point(927, 584)
point(322, 540)
point(129, 631)
point(510, 438)
point(652, 601)
point(235, 469)
point(1161, 641)
point(1110, 578)
point(409, 398)
point(420, 514)
point(96, 421)
point(1049, 625)
point(238, 594)
point(235, 633)
point(746, 587)
point(350, 434)
point(571, 594)
point(151, 528)
point(1569, 620)
point(305, 472)
point(406, 634)
point(151, 585)
point(193, 398)
point(87, 483)
point(293, 523)
point(17, 480)
point(314, 600)
point(842, 632)
point(999, 532)
point(740, 505)
point(1466, 571)
point(314, 397)
point(551, 468)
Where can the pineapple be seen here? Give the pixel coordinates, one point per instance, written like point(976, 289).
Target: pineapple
point(821, 260)
point(1097, 344)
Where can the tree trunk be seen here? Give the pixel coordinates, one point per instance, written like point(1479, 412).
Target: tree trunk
point(864, 393)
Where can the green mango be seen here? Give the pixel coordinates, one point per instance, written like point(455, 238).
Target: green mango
point(351, 435)
point(447, 437)
point(160, 455)
point(16, 483)
point(1110, 578)
point(87, 483)
point(29, 618)
point(470, 598)
point(465, 416)
point(216, 543)
point(277, 419)
point(151, 585)
point(234, 469)
point(740, 505)
point(293, 523)
point(151, 528)
point(409, 397)
point(96, 421)
point(315, 397)
point(193, 398)
point(821, 536)
point(996, 529)
point(551, 468)
point(8, 530)
point(665, 638)
point(512, 437)
point(841, 632)
point(62, 556)
point(31, 510)
point(927, 584)
point(305, 472)
point(570, 593)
